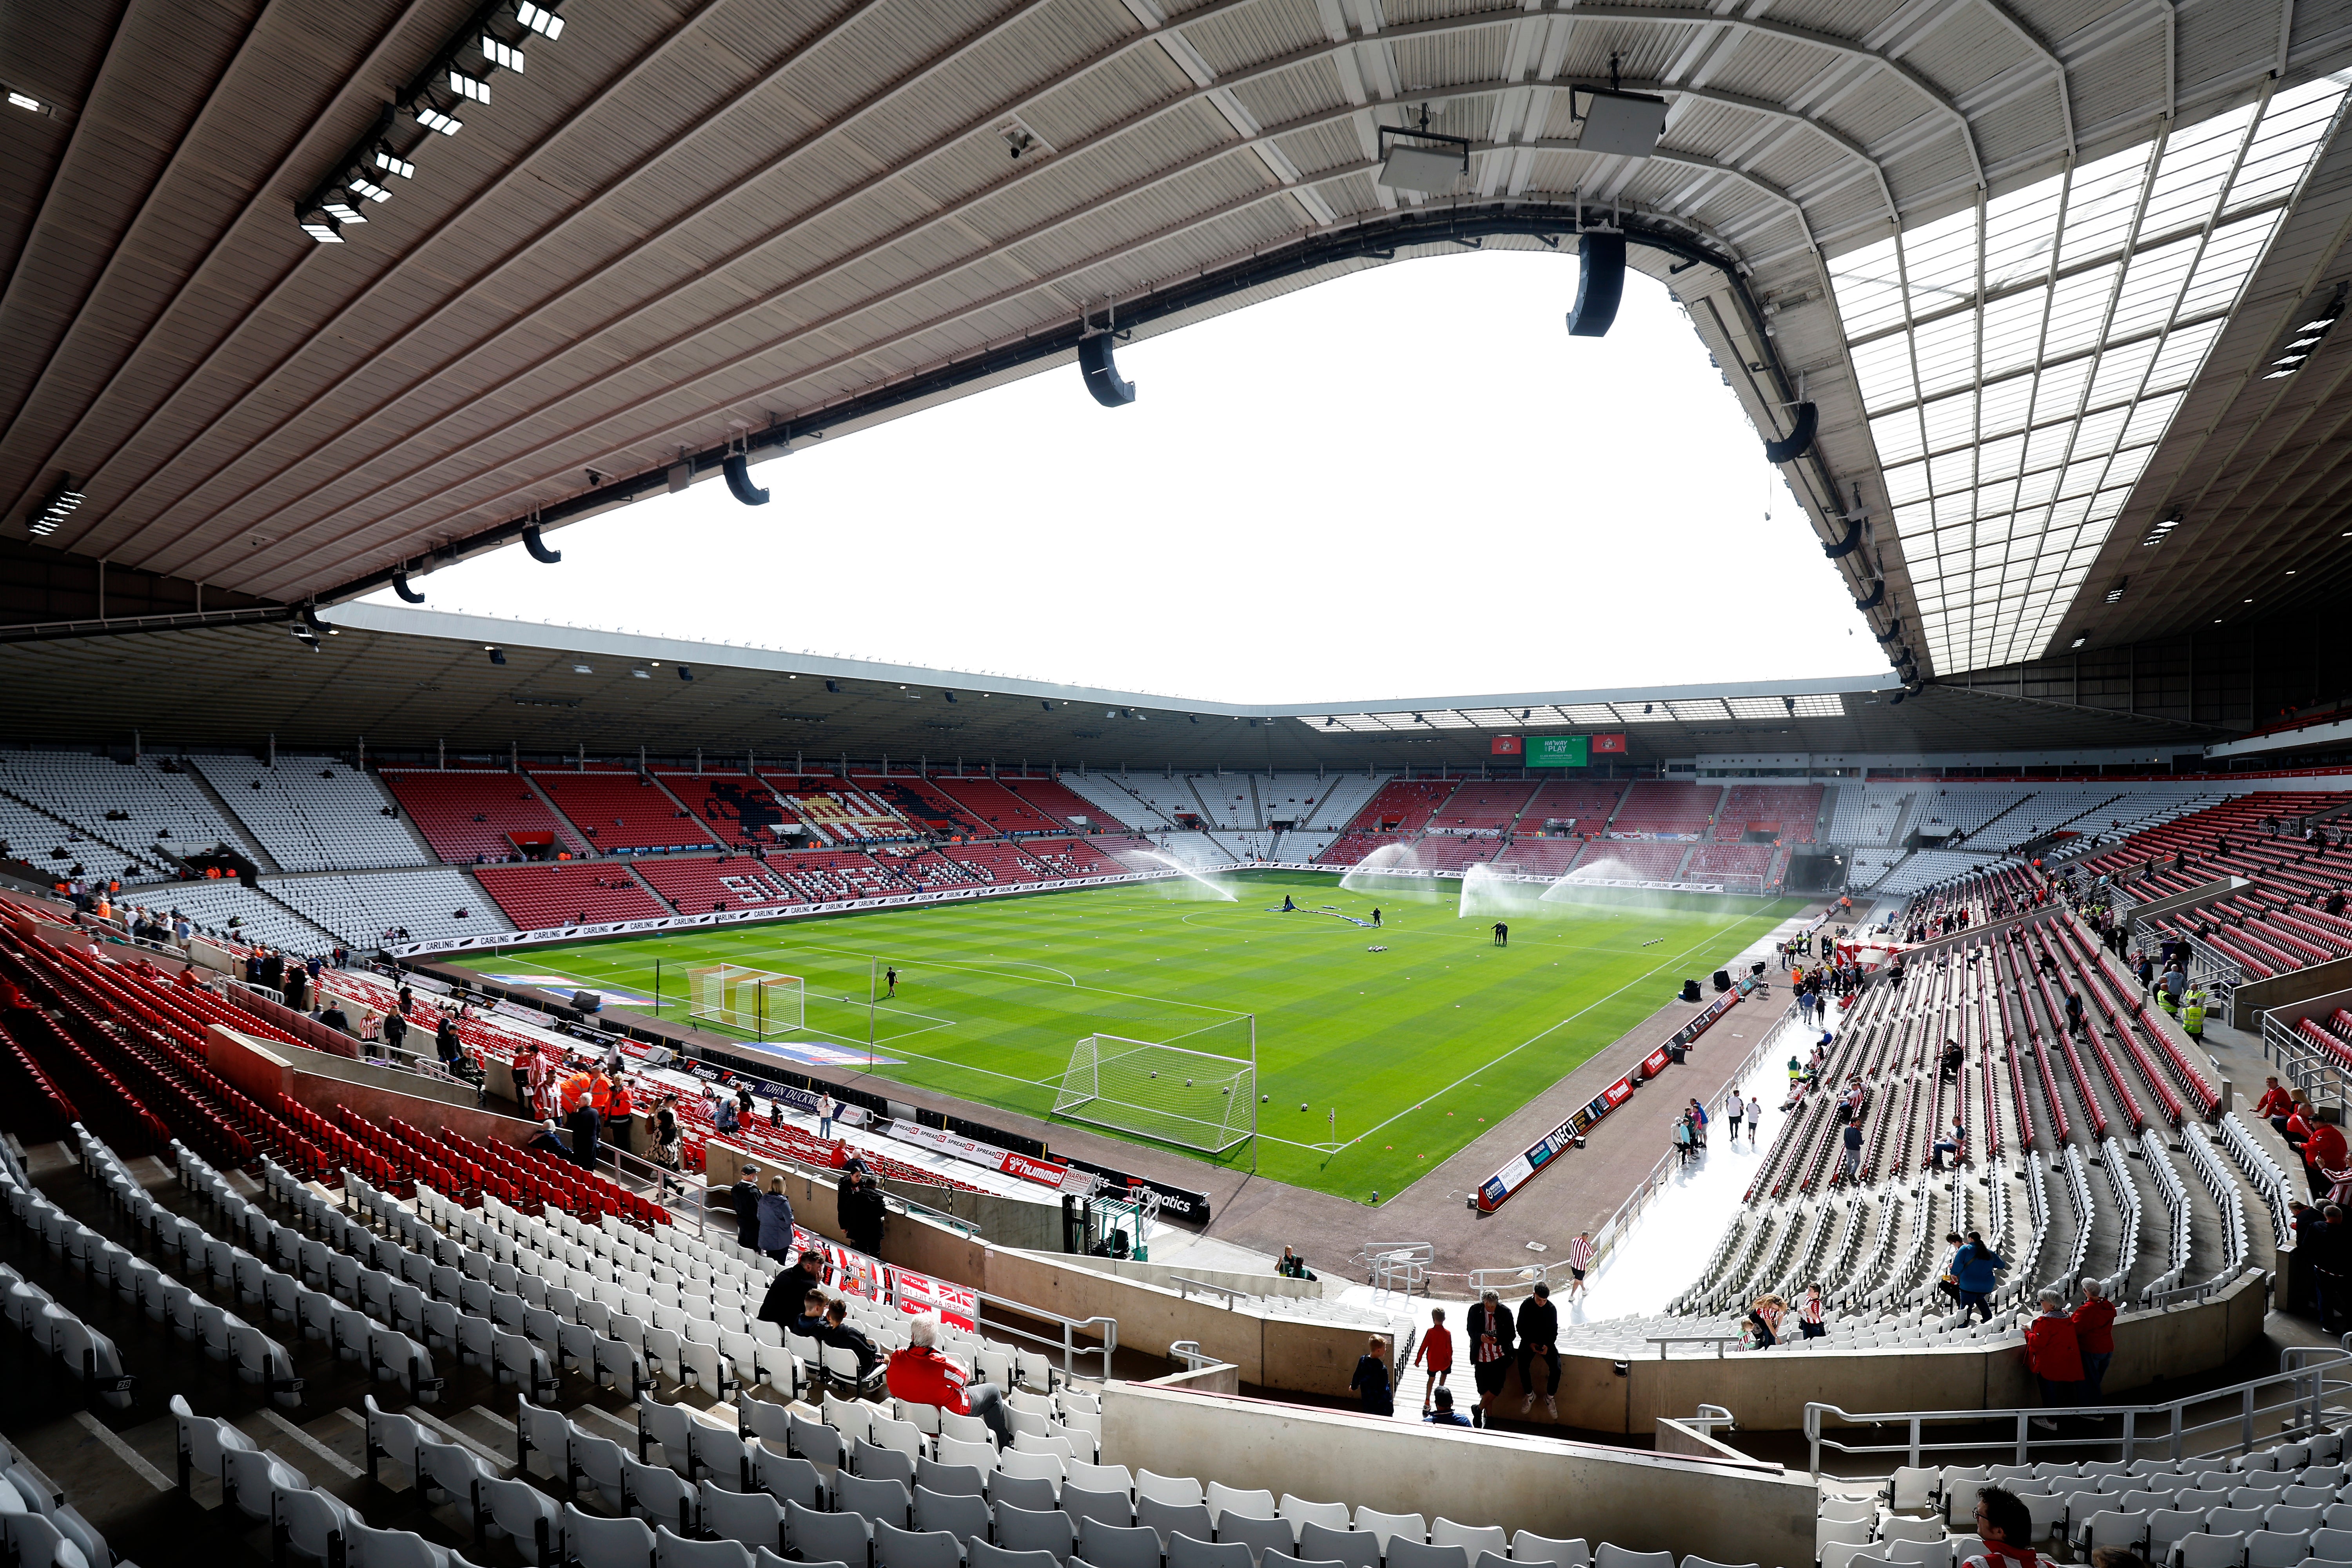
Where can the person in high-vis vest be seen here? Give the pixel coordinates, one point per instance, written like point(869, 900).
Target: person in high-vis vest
point(2192, 1013)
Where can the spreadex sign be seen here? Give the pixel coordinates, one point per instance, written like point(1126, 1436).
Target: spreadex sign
point(972, 1151)
point(1497, 1189)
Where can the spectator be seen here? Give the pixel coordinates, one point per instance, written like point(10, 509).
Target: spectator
point(921, 1375)
point(2116, 1557)
point(787, 1293)
point(1292, 1266)
point(1851, 1165)
point(334, 1017)
point(724, 1119)
point(838, 1333)
point(2094, 1337)
point(1444, 1414)
point(1810, 1313)
point(1954, 1142)
point(2056, 1357)
point(1435, 1355)
point(395, 1036)
point(1755, 1120)
point(1683, 1138)
point(1492, 1340)
point(867, 1216)
point(810, 1322)
point(446, 1043)
point(622, 1110)
point(1732, 1113)
point(1539, 1336)
point(2006, 1527)
point(2274, 1104)
point(586, 1127)
point(1579, 1251)
point(2324, 1238)
point(827, 1107)
point(1765, 1316)
point(775, 1212)
point(2324, 1155)
point(1371, 1380)
point(667, 1136)
point(1974, 1269)
point(743, 1197)
point(549, 1140)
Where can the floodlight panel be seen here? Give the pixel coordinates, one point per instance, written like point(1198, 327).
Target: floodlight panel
point(1623, 124)
point(1432, 171)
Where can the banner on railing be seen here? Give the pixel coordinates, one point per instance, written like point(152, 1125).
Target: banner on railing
point(1498, 1189)
point(972, 1150)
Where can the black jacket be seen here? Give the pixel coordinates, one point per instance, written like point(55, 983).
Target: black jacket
point(782, 1304)
point(1372, 1386)
point(1473, 1328)
point(1538, 1324)
point(744, 1198)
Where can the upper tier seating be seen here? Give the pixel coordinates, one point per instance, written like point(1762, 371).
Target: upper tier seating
point(360, 909)
point(1539, 856)
point(1231, 800)
point(1483, 805)
point(996, 863)
point(843, 813)
point(468, 818)
point(1003, 803)
point(1929, 867)
point(1340, 797)
point(1108, 803)
point(313, 814)
point(741, 810)
point(1402, 805)
point(159, 807)
point(1868, 814)
point(57, 849)
point(1453, 852)
point(1658, 806)
point(923, 806)
point(1351, 848)
point(1162, 802)
point(621, 812)
point(1963, 808)
point(1070, 857)
point(1586, 805)
point(575, 892)
point(1049, 796)
point(1739, 868)
point(1786, 811)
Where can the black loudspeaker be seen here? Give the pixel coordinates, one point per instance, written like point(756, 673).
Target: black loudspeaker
point(1800, 437)
point(1723, 980)
point(1599, 286)
point(587, 1002)
point(739, 481)
point(1109, 388)
point(1690, 990)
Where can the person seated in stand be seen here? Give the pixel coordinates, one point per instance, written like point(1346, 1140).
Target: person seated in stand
point(549, 1140)
point(923, 1374)
point(1953, 1056)
point(1953, 1141)
point(835, 1331)
point(811, 1321)
point(2274, 1105)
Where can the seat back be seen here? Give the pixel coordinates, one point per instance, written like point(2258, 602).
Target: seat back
point(1319, 1542)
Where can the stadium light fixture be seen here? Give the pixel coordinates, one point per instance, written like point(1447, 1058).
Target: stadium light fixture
point(26, 102)
point(469, 86)
point(539, 19)
point(55, 508)
point(1617, 124)
point(1423, 160)
point(322, 228)
point(501, 54)
point(343, 211)
point(497, 655)
point(392, 162)
point(361, 185)
point(431, 116)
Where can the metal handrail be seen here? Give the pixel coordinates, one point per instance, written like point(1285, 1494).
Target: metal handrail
point(1717, 1341)
point(1513, 1276)
point(1073, 1330)
point(1189, 1352)
point(1186, 1287)
point(1401, 1266)
point(2300, 1387)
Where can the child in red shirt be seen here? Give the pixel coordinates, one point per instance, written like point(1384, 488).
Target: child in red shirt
point(1437, 1353)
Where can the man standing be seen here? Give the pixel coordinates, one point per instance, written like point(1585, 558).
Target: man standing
point(1734, 1113)
point(1539, 1336)
point(827, 1107)
point(892, 975)
point(586, 1127)
point(1488, 1326)
point(2095, 1336)
point(1579, 1251)
point(2055, 1356)
point(1755, 1120)
point(743, 1197)
point(1853, 1162)
point(1502, 934)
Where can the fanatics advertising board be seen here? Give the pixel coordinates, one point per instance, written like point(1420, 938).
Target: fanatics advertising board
point(1498, 1189)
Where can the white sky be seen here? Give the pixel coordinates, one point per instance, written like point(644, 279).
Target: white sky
point(1407, 482)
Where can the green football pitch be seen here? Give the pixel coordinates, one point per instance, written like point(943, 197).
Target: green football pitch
point(1402, 1043)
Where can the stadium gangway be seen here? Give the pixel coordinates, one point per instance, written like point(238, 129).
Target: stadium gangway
point(2240, 1416)
point(1399, 1266)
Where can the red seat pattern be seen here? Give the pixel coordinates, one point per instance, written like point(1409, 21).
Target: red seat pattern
point(697, 884)
point(1739, 868)
point(1070, 857)
point(1638, 860)
point(1484, 804)
point(789, 1141)
point(1351, 848)
point(619, 810)
point(562, 893)
point(1402, 806)
point(997, 863)
point(1453, 852)
point(923, 806)
point(1658, 806)
point(446, 807)
point(1539, 856)
point(1003, 804)
point(840, 813)
point(1787, 810)
point(1586, 806)
point(739, 809)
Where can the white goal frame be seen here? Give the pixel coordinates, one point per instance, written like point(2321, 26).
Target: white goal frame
point(1173, 1094)
point(755, 1002)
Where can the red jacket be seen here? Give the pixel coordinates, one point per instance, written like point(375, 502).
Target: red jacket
point(922, 1377)
point(2095, 1326)
point(2051, 1351)
point(2274, 1102)
point(2324, 1149)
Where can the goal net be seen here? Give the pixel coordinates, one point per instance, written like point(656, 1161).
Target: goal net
point(755, 1002)
point(1177, 1095)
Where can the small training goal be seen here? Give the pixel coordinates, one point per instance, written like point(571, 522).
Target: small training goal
point(755, 1002)
point(1178, 1095)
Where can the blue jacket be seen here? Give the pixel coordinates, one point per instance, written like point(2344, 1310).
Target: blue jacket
point(1973, 1270)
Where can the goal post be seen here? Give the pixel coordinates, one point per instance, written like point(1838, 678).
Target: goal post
point(1176, 1094)
point(755, 1002)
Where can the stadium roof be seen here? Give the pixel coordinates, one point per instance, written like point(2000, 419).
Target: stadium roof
point(409, 681)
point(729, 225)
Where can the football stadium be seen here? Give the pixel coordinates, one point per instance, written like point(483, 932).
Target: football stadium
point(1484, 1000)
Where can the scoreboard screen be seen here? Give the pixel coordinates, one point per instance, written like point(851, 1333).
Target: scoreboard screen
point(1558, 751)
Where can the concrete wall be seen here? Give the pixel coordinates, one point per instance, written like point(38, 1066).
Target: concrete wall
point(1163, 1273)
point(1726, 1510)
point(2294, 995)
point(1005, 1221)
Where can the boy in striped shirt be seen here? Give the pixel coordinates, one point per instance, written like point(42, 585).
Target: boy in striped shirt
point(1580, 1258)
point(1810, 1314)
